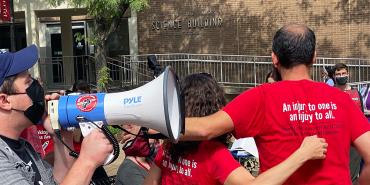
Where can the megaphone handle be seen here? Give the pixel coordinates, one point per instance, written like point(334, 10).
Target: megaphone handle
point(87, 127)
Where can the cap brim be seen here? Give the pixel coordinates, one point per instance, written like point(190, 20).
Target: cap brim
point(23, 60)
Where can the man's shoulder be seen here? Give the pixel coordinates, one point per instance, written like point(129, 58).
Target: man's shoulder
point(297, 84)
point(320, 89)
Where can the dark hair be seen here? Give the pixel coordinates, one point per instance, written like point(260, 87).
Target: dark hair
point(81, 86)
point(274, 74)
point(330, 71)
point(7, 86)
point(340, 66)
point(293, 45)
point(203, 96)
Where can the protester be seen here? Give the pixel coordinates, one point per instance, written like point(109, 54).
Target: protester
point(272, 76)
point(210, 162)
point(279, 115)
point(139, 156)
point(341, 77)
point(22, 105)
point(327, 75)
point(269, 78)
point(40, 139)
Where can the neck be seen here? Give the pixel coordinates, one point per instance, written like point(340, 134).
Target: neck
point(9, 126)
point(343, 87)
point(139, 161)
point(299, 72)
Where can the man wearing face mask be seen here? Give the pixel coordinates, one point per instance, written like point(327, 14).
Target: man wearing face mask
point(22, 104)
point(341, 76)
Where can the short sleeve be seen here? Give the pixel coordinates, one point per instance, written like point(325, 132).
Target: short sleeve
point(246, 112)
point(130, 173)
point(221, 163)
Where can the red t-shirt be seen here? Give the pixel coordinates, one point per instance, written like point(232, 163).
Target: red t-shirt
point(39, 138)
point(281, 114)
point(210, 164)
point(30, 134)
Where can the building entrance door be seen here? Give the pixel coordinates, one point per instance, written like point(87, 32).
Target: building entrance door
point(55, 54)
point(56, 57)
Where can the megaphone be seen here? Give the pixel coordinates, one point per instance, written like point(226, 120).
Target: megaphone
point(156, 105)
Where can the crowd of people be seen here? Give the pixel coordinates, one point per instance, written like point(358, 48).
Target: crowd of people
point(306, 132)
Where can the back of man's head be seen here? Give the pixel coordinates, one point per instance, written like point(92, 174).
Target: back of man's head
point(293, 45)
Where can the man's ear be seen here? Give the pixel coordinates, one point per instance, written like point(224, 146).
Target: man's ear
point(275, 60)
point(4, 103)
point(314, 58)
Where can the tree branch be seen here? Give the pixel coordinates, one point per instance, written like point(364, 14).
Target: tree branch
point(117, 20)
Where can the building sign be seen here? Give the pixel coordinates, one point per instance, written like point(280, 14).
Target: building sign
point(5, 10)
point(191, 23)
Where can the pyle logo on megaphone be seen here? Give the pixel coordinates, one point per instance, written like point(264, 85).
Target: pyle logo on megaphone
point(136, 100)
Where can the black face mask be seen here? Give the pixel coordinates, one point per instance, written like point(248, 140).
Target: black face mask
point(341, 80)
point(35, 112)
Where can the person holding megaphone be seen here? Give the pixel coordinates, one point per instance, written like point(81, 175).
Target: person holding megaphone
point(22, 104)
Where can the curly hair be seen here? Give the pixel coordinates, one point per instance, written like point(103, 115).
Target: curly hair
point(203, 96)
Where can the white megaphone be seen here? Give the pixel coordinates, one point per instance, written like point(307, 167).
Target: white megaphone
point(156, 105)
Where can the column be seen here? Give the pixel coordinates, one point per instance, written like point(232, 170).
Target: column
point(31, 24)
point(67, 48)
point(133, 43)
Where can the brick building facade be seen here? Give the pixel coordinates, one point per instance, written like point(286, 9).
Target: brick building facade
point(243, 27)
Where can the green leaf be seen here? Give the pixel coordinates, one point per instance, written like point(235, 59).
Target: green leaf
point(104, 78)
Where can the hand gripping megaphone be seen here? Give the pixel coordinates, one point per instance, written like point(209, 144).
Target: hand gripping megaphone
point(156, 105)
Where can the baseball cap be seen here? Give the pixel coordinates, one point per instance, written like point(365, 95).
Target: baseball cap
point(14, 63)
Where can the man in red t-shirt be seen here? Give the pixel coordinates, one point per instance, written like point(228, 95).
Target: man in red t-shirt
point(281, 114)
